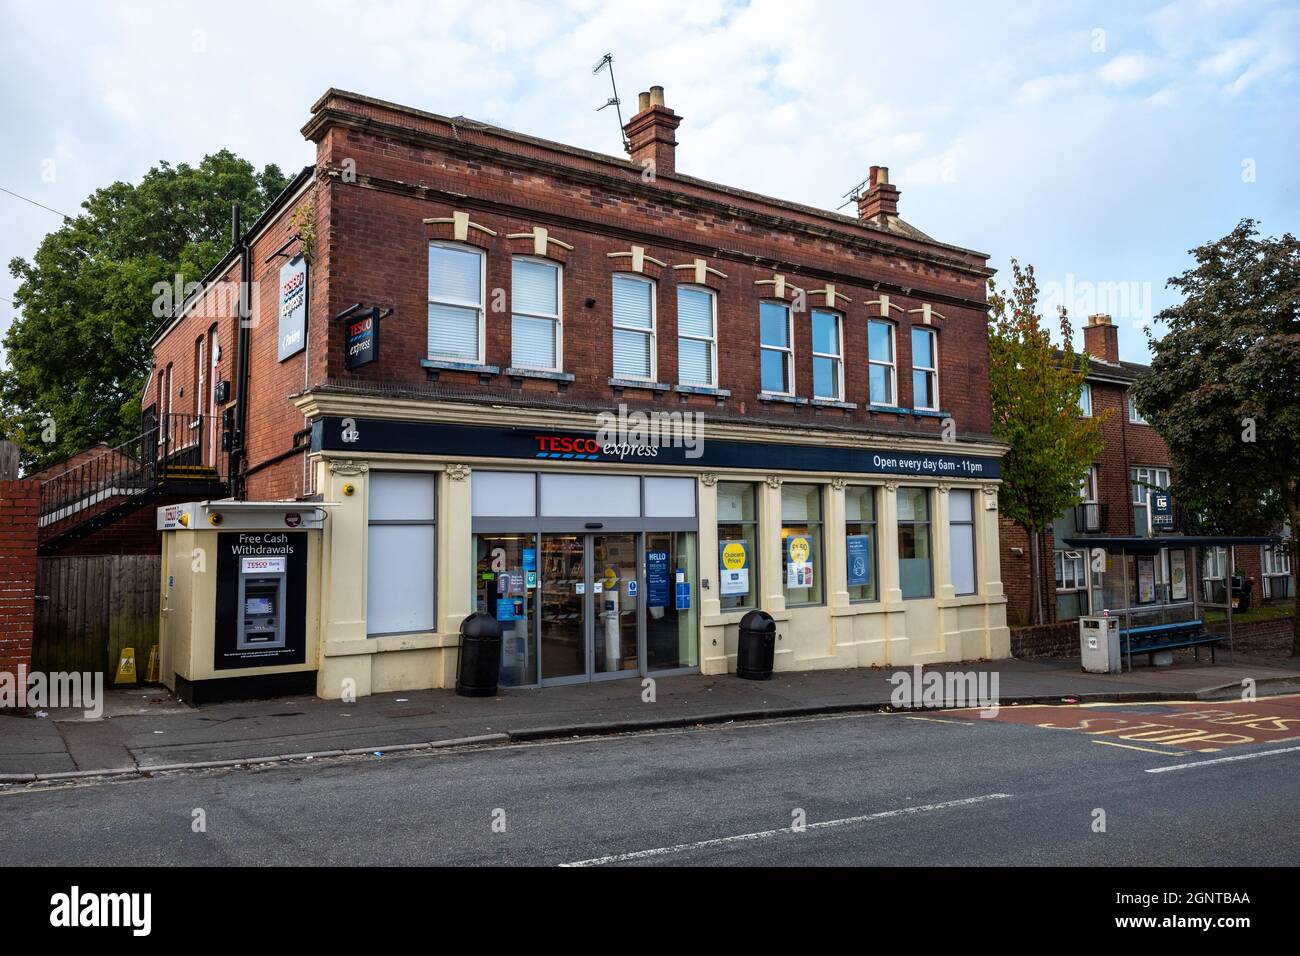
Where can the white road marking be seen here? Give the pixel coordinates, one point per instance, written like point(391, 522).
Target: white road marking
point(1206, 763)
point(762, 834)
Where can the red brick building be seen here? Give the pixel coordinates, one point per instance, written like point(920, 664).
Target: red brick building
point(473, 300)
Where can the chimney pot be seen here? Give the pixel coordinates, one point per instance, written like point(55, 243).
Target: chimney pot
point(651, 134)
point(880, 199)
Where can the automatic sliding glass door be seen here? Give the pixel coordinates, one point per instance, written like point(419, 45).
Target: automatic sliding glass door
point(562, 570)
point(616, 595)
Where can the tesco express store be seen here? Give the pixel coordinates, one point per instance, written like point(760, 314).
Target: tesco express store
point(603, 565)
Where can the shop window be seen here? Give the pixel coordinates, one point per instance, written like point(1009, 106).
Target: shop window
point(634, 327)
point(669, 498)
point(801, 544)
point(697, 357)
point(578, 496)
point(777, 348)
point(535, 339)
point(504, 493)
point(737, 545)
point(401, 548)
point(925, 369)
point(961, 539)
point(828, 350)
point(915, 568)
point(455, 303)
point(860, 543)
point(880, 358)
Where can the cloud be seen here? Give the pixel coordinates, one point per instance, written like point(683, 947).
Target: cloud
point(1007, 131)
point(1128, 69)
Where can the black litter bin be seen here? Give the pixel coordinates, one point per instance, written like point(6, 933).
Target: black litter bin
point(479, 666)
point(1242, 588)
point(757, 648)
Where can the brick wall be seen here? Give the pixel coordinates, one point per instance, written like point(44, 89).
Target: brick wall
point(382, 170)
point(379, 255)
point(1046, 640)
point(19, 508)
point(1269, 638)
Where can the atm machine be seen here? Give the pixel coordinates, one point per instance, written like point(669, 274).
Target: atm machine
point(261, 602)
point(240, 607)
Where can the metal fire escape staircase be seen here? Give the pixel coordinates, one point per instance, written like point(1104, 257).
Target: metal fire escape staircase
point(175, 456)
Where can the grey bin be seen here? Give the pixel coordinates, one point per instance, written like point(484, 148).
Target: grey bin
point(757, 648)
point(478, 669)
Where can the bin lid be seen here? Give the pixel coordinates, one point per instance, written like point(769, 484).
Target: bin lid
point(480, 624)
point(758, 621)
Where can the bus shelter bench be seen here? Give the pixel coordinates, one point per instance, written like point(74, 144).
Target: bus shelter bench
point(1150, 639)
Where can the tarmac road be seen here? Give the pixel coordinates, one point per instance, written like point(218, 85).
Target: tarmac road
point(874, 789)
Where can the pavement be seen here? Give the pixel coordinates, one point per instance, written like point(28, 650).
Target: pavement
point(145, 730)
point(871, 788)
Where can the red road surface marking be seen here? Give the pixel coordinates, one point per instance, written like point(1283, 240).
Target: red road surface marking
point(1201, 727)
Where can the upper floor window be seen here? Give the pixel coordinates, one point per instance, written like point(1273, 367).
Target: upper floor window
point(880, 355)
point(1085, 400)
point(828, 367)
point(925, 369)
point(697, 354)
point(1133, 414)
point(1144, 480)
point(535, 314)
point(777, 348)
point(455, 303)
point(634, 327)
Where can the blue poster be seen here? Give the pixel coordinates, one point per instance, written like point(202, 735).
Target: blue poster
point(507, 610)
point(530, 559)
point(656, 578)
point(859, 557)
point(683, 595)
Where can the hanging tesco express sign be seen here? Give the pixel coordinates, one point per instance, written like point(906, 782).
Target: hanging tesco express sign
point(426, 438)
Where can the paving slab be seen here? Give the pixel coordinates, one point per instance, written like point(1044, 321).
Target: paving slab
point(145, 727)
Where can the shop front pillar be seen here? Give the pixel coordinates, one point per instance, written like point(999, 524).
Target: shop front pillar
point(713, 637)
point(771, 591)
point(345, 653)
point(456, 569)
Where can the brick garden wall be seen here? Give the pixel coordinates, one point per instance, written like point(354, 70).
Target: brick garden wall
point(19, 509)
point(1061, 640)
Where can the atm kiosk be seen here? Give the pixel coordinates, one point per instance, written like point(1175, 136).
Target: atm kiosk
point(240, 605)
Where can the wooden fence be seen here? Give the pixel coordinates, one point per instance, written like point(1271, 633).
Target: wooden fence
point(90, 608)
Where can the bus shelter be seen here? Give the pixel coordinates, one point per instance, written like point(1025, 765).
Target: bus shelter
point(1148, 581)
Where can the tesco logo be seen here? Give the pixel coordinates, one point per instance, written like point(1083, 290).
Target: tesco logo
point(567, 445)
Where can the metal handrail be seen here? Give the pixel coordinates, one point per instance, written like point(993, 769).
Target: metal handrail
point(176, 442)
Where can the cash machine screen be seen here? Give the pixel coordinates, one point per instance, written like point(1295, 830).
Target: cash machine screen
point(258, 606)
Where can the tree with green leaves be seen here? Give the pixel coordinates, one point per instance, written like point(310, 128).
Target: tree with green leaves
point(1035, 389)
point(78, 353)
point(1224, 388)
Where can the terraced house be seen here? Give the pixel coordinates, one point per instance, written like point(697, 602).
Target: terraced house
point(613, 405)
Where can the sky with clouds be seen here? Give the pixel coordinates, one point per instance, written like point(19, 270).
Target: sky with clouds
point(1099, 141)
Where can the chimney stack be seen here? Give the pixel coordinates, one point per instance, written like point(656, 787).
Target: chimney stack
point(651, 132)
point(880, 198)
point(1101, 339)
